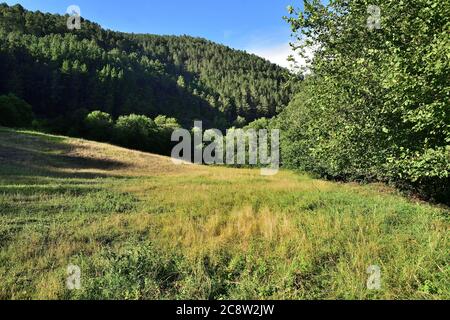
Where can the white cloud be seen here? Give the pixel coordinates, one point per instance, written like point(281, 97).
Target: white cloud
point(278, 54)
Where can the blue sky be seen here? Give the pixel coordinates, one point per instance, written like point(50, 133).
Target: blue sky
point(253, 25)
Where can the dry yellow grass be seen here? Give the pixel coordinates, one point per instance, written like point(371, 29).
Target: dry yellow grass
point(128, 162)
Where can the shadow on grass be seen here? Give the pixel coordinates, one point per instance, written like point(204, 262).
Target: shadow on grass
point(27, 158)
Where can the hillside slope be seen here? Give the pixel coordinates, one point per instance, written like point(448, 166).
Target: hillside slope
point(62, 72)
point(141, 228)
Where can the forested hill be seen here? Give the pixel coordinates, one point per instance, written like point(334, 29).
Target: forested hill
point(63, 73)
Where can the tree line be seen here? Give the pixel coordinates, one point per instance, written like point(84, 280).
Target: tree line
point(376, 106)
point(132, 131)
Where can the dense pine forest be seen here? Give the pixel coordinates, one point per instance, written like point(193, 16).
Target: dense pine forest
point(64, 74)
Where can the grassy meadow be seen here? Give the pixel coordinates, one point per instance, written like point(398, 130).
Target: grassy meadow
point(140, 227)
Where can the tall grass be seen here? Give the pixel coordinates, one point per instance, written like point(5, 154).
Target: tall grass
point(139, 228)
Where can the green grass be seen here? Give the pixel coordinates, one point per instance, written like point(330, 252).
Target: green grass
point(142, 228)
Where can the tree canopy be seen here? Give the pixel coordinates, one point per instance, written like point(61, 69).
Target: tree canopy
point(59, 71)
point(377, 103)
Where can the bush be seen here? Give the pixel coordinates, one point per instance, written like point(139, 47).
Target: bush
point(165, 127)
point(376, 105)
point(99, 125)
point(135, 131)
point(239, 122)
point(259, 124)
point(14, 112)
point(164, 122)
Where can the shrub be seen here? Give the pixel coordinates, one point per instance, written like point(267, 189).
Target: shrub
point(165, 127)
point(99, 125)
point(135, 131)
point(259, 124)
point(164, 122)
point(15, 112)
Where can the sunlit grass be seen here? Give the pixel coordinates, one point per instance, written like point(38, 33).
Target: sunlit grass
point(140, 227)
